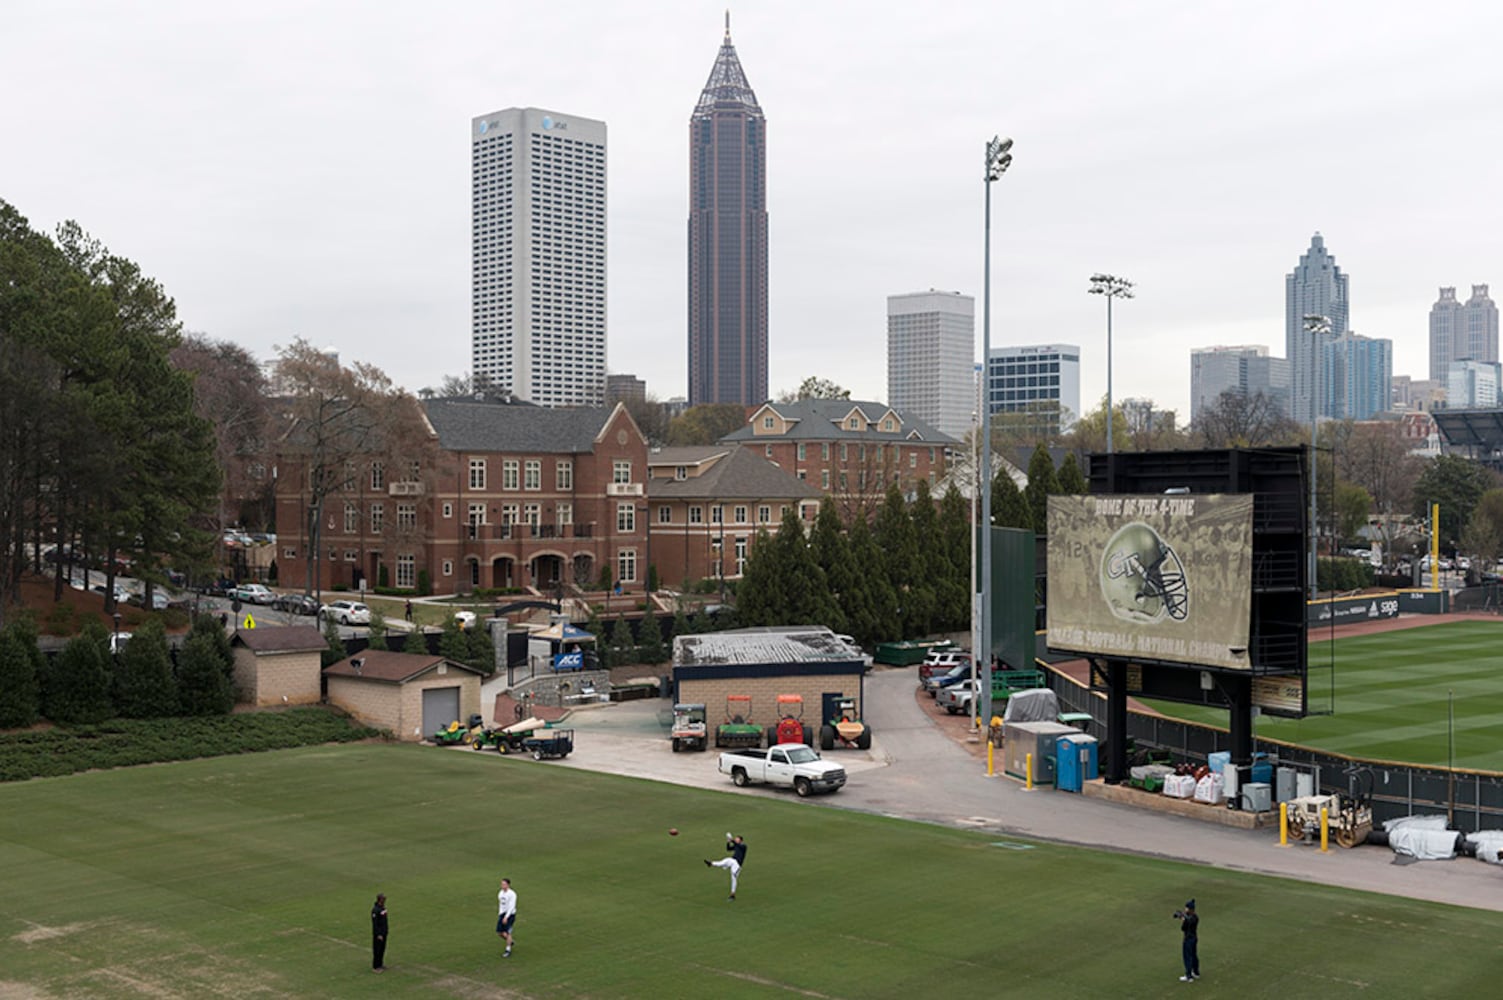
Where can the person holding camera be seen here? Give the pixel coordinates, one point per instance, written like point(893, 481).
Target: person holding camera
point(1190, 927)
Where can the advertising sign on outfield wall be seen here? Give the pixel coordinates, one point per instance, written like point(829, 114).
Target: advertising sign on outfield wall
point(1152, 578)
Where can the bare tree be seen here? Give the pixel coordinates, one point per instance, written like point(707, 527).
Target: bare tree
point(1376, 458)
point(1240, 420)
point(230, 392)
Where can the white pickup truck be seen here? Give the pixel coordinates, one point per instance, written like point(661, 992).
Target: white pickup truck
point(785, 764)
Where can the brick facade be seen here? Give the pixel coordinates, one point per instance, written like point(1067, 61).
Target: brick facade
point(277, 678)
point(764, 693)
point(398, 707)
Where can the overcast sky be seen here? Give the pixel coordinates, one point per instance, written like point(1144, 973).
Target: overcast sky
point(302, 168)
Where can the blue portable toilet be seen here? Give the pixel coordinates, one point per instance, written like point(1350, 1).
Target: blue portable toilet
point(1076, 761)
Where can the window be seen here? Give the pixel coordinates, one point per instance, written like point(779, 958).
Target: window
point(564, 475)
point(717, 514)
point(532, 475)
point(767, 422)
point(626, 566)
point(824, 479)
point(767, 451)
point(844, 484)
point(740, 555)
point(665, 514)
point(477, 473)
point(414, 470)
point(696, 514)
point(764, 514)
point(564, 513)
point(680, 472)
point(407, 516)
point(802, 451)
point(854, 423)
point(740, 513)
point(378, 518)
point(509, 472)
point(509, 513)
point(448, 509)
point(349, 475)
point(824, 451)
point(289, 552)
point(378, 476)
point(448, 567)
point(626, 517)
point(913, 459)
point(887, 424)
point(533, 514)
point(845, 452)
point(350, 555)
point(333, 555)
point(351, 519)
point(477, 517)
point(931, 456)
point(406, 570)
point(621, 470)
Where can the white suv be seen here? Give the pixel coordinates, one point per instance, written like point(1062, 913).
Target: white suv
point(346, 612)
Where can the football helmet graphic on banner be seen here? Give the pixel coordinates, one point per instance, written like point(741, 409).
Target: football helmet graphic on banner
point(1142, 580)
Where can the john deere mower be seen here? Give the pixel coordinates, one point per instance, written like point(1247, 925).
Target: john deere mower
point(738, 730)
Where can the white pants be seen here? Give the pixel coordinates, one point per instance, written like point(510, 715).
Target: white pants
point(735, 869)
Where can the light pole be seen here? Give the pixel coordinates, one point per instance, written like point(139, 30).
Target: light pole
point(1112, 287)
point(998, 159)
point(1315, 326)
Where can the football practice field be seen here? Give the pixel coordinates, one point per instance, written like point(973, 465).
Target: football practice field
point(1394, 694)
point(253, 876)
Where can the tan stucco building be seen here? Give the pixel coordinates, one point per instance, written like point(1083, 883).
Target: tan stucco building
point(278, 665)
point(410, 694)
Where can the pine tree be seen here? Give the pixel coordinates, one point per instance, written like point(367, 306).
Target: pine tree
point(931, 567)
point(209, 627)
point(650, 639)
point(377, 635)
point(759, 598)
point(1009, 508)
point(832, 554)
point(1071, 480)
point(953, 595)
point(1041, 482)
point(623, 646)
point(481, 653)
point(894, 536)
point(20, 688)
point(202, 687)
point(145, 687)
point(873, 611)
point(79, 688)
point(805, 594)
point(453, 644)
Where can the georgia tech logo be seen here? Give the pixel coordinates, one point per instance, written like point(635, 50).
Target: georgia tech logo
point(1142, 580)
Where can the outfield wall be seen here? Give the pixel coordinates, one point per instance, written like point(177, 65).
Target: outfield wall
point(1375, 607)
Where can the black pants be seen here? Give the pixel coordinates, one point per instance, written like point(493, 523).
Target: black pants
point(378, 952)
point(1192, 959)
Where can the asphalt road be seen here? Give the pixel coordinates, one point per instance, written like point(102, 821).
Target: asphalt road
point(915, 771)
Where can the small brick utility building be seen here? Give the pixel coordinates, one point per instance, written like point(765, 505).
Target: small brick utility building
point(278, 665)
point(411, 694)
point(807, 660)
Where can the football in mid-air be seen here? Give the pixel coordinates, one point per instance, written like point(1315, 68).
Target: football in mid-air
point(673, 831)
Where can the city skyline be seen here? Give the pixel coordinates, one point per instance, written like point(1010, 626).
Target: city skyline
point(1170, 146)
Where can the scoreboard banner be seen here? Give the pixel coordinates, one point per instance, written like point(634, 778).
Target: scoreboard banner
point(1155, 578)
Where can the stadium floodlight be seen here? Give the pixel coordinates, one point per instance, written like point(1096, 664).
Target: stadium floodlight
point(1316, 327)
point(1112, 287)
point(998, 158)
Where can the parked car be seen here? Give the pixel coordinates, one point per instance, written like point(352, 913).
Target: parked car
point(159, 600)
point(252, 593)
point(346, 612)
point(957, 698)
point(791, 764)
point(121, 596)
point(938, 682)
point(297, 604)
point(942, 663)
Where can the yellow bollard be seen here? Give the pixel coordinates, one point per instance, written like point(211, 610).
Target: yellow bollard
point(1284, 825)
point(1325, 830)
point(990, 750)
point(1028, 772)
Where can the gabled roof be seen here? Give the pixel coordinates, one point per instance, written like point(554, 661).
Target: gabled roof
point(388, 667)
point(280, 639)
point(740, 475)
point(825, 420)
point(465, 424)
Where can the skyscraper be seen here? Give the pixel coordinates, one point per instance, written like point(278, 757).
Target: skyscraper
point(1356, 375)
point(1316, 287)
point(931, 344)
point(727, 238)
point(1245, 371)
point(1462, 331)
point(1040, 384)
point(538, 255)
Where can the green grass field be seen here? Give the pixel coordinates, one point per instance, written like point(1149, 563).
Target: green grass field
point(252, 876)
point(1392, 695)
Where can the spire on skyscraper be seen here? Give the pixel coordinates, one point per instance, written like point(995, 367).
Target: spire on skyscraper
point(727, 83)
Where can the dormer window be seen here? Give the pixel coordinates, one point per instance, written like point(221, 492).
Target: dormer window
point(853, 424)
point(887, 424)
point(767, 422)
point(680, 472)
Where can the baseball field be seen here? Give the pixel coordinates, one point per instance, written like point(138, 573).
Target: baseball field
point(253, 876)
point(1394, 695)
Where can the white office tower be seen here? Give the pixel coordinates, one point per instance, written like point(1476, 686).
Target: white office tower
point(1472, 385)
point(538, 249)
point(931, 352)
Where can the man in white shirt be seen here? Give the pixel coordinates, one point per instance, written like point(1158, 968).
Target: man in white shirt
point(506, 905)
point(735, 846)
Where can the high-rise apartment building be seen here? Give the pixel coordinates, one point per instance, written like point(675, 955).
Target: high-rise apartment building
point(1462, 331)
point(727, 238)
point(931, 350)
point(1316, 287)
point(1246, 371)
point(538, 255)
point(1472, 385)
point(1356, 375)
point(1039, 383)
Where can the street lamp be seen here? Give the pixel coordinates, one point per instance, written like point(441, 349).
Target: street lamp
point(115, 646)
point(998, 159)
point(1316, 326)
point(1112, 287)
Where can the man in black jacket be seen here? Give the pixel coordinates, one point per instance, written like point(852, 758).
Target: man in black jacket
point(378, 933)
point(735, 846)
point(1190, 927)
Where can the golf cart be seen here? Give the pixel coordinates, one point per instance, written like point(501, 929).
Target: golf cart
point(738, 730)
point(790, 726)
point(689, 728)
point(844, 728)
point(457, 733)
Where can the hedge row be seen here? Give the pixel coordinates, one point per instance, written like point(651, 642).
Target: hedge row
point(126, 742)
